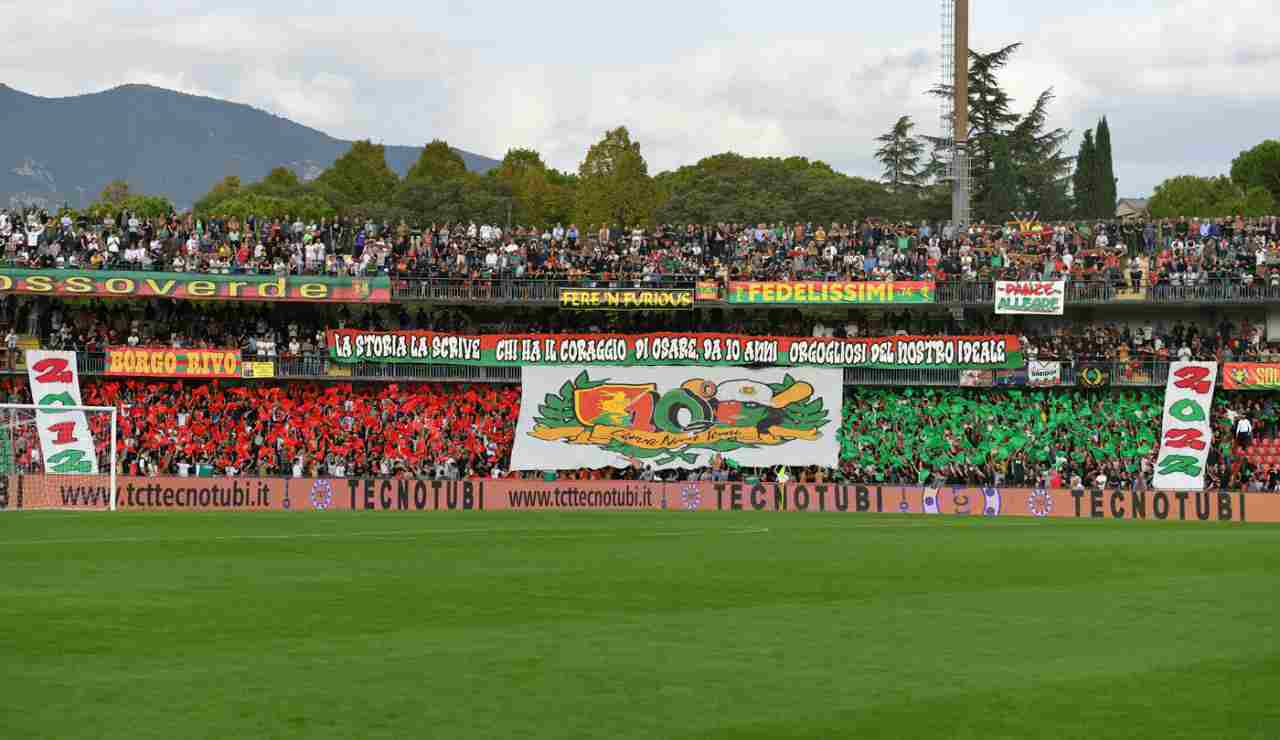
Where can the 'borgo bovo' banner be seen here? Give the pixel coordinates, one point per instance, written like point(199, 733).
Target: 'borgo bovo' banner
point(692, 348)
point(677, 417)
point(318, 495)
point(1030, 297)
point(190, 286)
point(831, 293)
point(173, 363)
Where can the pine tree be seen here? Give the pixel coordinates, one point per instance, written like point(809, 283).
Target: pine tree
point(1041, 170)
point(900, 154)
point(1083, 181)
point(1002, 198)
point(1105, 184)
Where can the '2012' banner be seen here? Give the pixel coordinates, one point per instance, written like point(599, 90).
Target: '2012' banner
point(692, 348)
point(66, 444)
point(1186, 434)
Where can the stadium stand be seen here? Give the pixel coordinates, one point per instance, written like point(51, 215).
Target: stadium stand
point(1167, 253)
point(898, 427)
point(1058, 438)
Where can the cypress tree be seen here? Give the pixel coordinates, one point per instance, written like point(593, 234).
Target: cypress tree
point(1105, 186)
point(1083, 180)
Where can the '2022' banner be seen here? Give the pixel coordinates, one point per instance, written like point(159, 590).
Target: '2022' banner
point(66, 444)
point(677, 417)
point(667, 348)
point(1186, 434)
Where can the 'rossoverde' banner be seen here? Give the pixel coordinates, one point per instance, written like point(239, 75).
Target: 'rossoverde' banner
point(692, 348)
point(1030, 297)
point(677, 417)
point(1186, 435)
point(66, 444)
point(193, 286)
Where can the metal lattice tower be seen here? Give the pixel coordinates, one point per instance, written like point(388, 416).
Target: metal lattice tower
point(946, 75)
point(954, 110)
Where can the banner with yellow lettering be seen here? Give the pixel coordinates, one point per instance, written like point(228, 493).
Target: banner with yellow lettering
point(158, 362)
point(677, 417)
point(831, 293)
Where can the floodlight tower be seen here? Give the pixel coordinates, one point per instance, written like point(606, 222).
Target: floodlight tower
point(954, 111)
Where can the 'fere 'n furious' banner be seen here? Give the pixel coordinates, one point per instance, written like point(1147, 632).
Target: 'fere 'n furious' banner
point(677, 417)
point(664, 349)
point(1186, 435)
point(1030, 297)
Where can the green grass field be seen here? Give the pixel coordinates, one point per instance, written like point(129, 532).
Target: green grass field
point(662, 625)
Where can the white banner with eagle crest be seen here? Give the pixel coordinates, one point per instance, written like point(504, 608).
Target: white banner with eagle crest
point(677, 417)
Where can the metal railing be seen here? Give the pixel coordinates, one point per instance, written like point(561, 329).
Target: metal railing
point(521, 290)
point(949, 293)
point(1132, 374)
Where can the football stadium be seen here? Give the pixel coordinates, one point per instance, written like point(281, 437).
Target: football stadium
point(354, 440)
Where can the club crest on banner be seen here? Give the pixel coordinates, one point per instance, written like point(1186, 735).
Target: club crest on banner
point(677, 417)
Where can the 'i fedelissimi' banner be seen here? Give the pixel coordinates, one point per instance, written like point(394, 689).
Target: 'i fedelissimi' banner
point(66, 443)
point(677, 417)
point(673, 348)
point(1186, 435)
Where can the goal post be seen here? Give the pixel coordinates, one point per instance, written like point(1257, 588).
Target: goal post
point(58, 457)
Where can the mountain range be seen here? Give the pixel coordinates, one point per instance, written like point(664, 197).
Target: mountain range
point(162, 142)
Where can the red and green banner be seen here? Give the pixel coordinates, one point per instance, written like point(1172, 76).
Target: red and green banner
point(1251, 376)
point(672, 348)
point(193, 286)
point(174, 363)
point(816, 294)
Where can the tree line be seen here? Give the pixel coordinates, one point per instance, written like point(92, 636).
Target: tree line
point(1018, 165)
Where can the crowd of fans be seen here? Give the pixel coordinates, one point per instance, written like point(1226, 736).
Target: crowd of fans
point(999, 437)
point(287, 330)
point(1165, 254)
point(1057, 438)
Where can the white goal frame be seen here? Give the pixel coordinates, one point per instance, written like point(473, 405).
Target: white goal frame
point(8, 421)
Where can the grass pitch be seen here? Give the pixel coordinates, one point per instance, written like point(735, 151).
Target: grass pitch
point(635, 625)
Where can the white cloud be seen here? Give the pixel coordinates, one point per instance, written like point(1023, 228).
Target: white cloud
point(764, 80)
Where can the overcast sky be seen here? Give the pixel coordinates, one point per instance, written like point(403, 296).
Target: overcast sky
point(1184, 84)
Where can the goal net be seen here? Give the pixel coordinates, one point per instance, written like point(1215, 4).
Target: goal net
point(57, 457)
